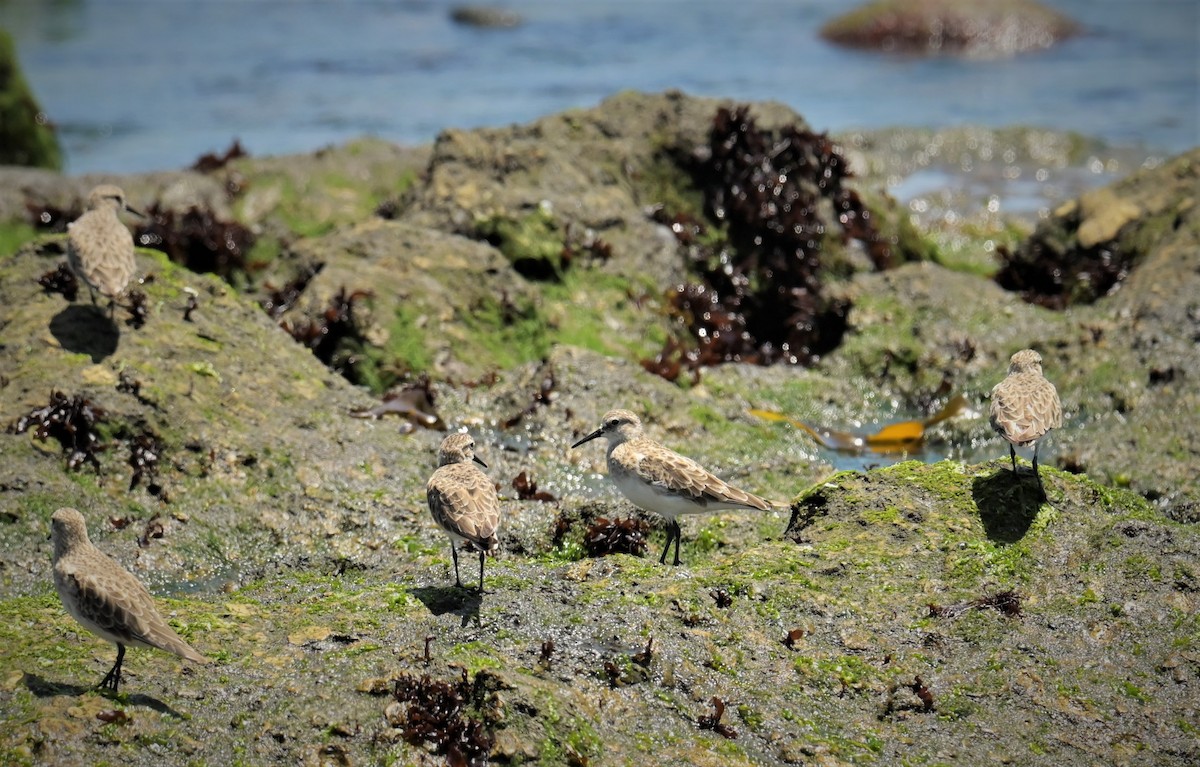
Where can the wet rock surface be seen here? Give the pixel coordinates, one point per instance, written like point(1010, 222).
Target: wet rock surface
point(902, 613)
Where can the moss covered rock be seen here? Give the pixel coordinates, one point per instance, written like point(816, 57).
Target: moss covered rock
point(912, 613)
point(26, 134)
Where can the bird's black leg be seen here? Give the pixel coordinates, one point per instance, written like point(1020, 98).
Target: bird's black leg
point(1012, 451)
point(678, 536)
point(113, 679)
point(454, 554)
point(670, 531)
point(1038, 474)
point(481, 556)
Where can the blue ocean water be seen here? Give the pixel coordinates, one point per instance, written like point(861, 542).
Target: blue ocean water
point(137, 85)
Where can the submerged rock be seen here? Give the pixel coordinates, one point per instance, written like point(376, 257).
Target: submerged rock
point(486, 16)
point(981, 28)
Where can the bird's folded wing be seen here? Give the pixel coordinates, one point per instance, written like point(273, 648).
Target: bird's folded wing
point(117, 605)
point(682, 476)
point(470, 506)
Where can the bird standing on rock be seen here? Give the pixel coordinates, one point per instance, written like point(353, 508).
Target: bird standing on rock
point(662, 481)
point(1025, 407)
point(105, 598)
point(100, 247)
point(463, 500)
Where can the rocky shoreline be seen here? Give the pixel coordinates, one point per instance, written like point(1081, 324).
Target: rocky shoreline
point(515, 280)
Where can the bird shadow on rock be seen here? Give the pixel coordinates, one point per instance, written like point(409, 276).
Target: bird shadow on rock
point(44, 688)
point(85, 329)
point(1007, 504)
point(440, 600)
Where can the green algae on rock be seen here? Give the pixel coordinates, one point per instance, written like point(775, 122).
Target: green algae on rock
point(1106, 624)
point(27, 137)
point(296, 540)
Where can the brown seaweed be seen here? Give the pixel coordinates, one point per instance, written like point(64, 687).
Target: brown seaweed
point(72, 422)
point(145, 450)
point(1004, 602)
point(615, 536)
point(546, 654)
point(437, 714)
point(279, 300)
point(713, 721)
point(139, 309)
point(900, 437)
point(153, 531)
point(527, 489)
point(758, 296)
point(644, 657)
point(60, 280)
point(721, 597)
point(209, 161)
point(334, 336)
point(1049, 273)
point(51, 218)
point(414, 402)
point(197, 239)
point(193, 303)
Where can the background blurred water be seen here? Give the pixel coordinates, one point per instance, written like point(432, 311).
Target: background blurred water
point(137, 85)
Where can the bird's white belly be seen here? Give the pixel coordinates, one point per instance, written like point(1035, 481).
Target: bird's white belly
point(655, 498)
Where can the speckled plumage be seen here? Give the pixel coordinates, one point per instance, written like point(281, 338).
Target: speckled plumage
point(1025, 406)
point(105, 598)
point(99, 246)
point(659, 480)
point(463, 501)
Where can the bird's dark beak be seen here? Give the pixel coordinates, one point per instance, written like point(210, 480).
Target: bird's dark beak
point(479, 461)
point(136, 212)
point(597, 433)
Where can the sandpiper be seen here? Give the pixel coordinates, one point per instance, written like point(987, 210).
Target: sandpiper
point(662, 481)
point(105, 598)
point(100, 247)
point(462, 499)
point(1025, 407)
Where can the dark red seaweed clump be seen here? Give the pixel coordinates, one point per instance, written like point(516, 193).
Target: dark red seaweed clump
point(437, 714)
point(210, 161)
point(1052, 269)
point(51, 218)
point(139, 309)
point(60, 280)
point(334, 337)
point(527, 489)
point(713, 721)
point(72, 421)
point(279, 300)
point(615, 536)
point(758, 295)
point(197, 239)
